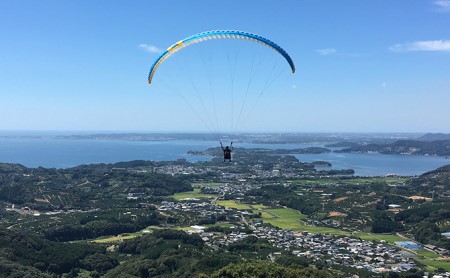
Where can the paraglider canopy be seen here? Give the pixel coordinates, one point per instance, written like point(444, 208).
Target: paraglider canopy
point(219, 34)
point(222, 82)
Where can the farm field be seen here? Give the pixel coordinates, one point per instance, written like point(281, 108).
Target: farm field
point(291, 219)
point(286, 213)
point(427, 253)
point(117, 238)
point(258, 206)
point(296, 225)
point(205, 184)
point(192, 194)
point(378, 237)
point(232, 204)
point(436, 263)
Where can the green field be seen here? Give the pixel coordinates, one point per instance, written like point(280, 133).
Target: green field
point(232, 204)
point(378, 237)
point(192, 194)
point(296, 225)
point(284, 223)
point(188, 228)
point(127, 236)
point(238, 205)
point(117, 238)
point(427, 253)
point(264, 214)
point(259, 206)
point(435, 263)
point(286, 213)
point(225, 225)
point(204, 184)
point(290, 219)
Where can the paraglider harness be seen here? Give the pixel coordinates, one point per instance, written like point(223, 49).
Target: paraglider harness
point(227, 151)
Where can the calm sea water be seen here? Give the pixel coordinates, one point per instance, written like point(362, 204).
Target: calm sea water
point(49, 152)
point(64, 153)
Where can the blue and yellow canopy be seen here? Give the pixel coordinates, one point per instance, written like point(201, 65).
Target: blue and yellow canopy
point(211, 35)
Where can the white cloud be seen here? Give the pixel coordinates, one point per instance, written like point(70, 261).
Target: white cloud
point(442, 5)
point(150, 48)
point(439, 45)
point(384, 84)
point(326, 51)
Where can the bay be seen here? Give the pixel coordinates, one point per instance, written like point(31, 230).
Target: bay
point(52, 152)
point(376, 164)
point(64, 153)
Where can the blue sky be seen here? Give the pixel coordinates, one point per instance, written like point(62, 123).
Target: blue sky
point(362, 66)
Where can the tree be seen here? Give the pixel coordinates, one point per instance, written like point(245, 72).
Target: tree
point(267, 270)
point(382, 223)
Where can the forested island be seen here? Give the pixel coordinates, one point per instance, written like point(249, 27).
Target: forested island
point(408, 147)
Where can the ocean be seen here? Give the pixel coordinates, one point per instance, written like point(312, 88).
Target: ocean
point(51, 152)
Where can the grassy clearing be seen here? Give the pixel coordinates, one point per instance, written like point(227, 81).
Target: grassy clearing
point(290, 219)
point(225, 225)
point(436, 263)
point(427, 253)
point(238, 205)
point(264, 214)
point(192, 194)
point(117, 238)
point(189, 228)
point(378, 237)
point(206, 184)
point(296, 225)
point(186, 228)
point(259, 206)
point(84, 274)
point(286, 213)
point(232, 204)
point(284, 223)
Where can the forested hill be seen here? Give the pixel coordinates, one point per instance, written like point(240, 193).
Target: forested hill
point(438, 180)
point(434, 137)
point(85, 185)
point(25, 255)
point(430, 219)
point(437, 147)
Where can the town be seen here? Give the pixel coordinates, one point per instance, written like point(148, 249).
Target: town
point(274, 203)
